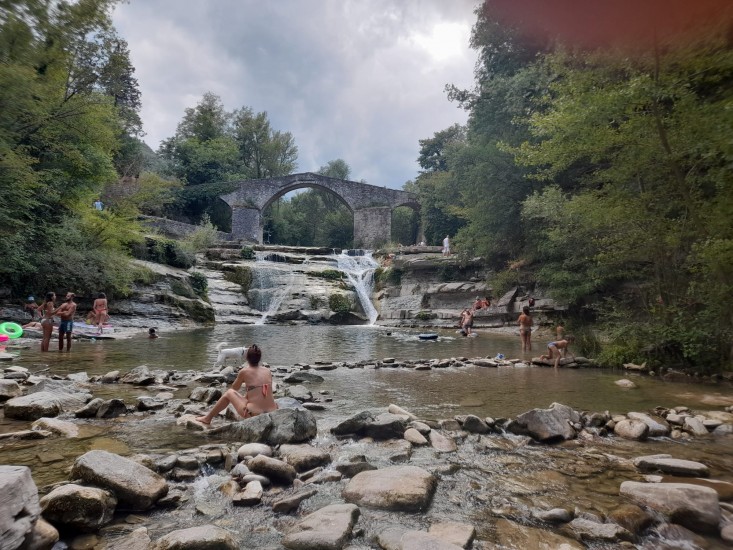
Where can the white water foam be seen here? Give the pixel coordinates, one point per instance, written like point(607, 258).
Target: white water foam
point(359, 270)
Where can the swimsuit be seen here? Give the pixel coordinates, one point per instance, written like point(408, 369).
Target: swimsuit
point(554, 344)
point(46, 321)
point(265, 389)
point(66, 326)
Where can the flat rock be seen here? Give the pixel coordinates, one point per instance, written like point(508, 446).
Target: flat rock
point(251, 496)
point(593, 531)
point(668, 465)
point(301, 376)
point(441, 443)
point(420, 540)
point(136, 487)
point(288, 504)
point(56, 426)
point(513, 535)
point(453, 532)
point(304, 457)
point(138, 539)
point(204, 537)
point(399, 488)
point(691, 506)
point(326, 529)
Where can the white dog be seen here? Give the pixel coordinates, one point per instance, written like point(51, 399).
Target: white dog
point(229, 353)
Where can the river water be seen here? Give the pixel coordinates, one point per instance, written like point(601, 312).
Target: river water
point(546, 474)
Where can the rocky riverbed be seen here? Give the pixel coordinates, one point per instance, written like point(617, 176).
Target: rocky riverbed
point(307, 477)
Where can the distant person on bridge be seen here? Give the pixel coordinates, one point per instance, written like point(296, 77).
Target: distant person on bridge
point(446, 246)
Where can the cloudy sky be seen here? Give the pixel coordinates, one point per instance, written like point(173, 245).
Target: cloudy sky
point(361, 80)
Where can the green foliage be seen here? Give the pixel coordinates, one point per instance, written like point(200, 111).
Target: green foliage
point(213, 146)
point(202, 238)
point(449, 272)
point(315, 301)
point(248, 253)
point(182, 288)
point(405, 225)
point(163, 251)
point(424, 316)
point(199, 283)
point(312, 218)
point(387, 276)
point(339, 303)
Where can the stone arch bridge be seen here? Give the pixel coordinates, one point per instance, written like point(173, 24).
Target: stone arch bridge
point(371, 205)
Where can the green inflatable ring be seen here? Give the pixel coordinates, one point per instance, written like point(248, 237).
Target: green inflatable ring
point(11, 330)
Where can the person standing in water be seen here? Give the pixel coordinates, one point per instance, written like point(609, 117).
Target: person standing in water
point(258, 394)
point(66, 312)
point(100, 311)
point(525, 323)
point(47, 310)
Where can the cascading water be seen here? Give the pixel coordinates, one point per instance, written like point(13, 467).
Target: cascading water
point(272, 284)
point(359, 270)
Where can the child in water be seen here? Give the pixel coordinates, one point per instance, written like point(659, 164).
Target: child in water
point(559, 349)
point(151, 333)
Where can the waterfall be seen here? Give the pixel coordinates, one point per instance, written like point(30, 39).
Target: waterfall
point(272, 286)
point(359, 271)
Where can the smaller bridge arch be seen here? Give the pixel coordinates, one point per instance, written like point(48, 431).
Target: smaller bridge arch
point(371, 205)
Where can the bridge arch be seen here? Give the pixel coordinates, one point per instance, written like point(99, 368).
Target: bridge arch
point(371, 205)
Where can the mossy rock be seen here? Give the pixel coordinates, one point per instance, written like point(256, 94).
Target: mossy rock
point(338, 303)
point(241, 275)
point(197, 309)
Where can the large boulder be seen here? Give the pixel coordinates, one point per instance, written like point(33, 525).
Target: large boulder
point(79, 508)
point(136, 487)
point(19, 507)
point(56, 426)
point(376, 425)
point(273, 428)
point(326, 529)
point(400, 488)
point(47, 398)
point(204, 537)
point(691, 506)
point(547, 425)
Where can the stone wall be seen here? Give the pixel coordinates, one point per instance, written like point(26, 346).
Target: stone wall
point(175, 229)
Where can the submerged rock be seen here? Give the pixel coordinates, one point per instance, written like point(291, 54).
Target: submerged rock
point(326, 529)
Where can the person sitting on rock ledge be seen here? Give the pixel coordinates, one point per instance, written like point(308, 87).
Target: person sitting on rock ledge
point(258, 395)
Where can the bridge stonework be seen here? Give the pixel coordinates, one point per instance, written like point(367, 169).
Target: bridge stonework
point(371, 205)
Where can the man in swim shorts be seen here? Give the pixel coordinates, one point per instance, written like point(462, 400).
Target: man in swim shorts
point(66, 312)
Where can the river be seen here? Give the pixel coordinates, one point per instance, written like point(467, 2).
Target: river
point(433, 394)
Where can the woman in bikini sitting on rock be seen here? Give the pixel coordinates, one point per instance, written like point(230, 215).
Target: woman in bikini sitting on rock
point(258, 395)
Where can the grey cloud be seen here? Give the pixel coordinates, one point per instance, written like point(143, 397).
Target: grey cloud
point(350, 79)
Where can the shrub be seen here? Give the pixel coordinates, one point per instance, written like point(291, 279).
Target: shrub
point(182, 288)
point(202, 238)
point(248, 253)
point(339, 303)
point(315, 302)
point(424, 315)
